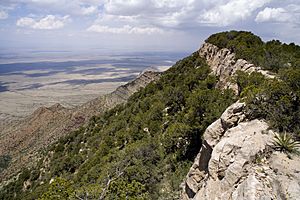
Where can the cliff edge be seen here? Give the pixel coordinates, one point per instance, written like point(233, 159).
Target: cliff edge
point(224, 65)
point(237, 160)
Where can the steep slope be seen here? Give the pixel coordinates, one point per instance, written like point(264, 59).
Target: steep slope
point(239, 157)
point(23, 139)
point(141, 149)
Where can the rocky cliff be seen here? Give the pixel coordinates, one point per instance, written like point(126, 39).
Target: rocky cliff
point(237, 159)
point(224, 65)
point(21, 140)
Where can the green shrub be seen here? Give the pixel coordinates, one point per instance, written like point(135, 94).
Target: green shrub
point(4, 162)
point(272, 55)
point(152, 139)
point(286, 143)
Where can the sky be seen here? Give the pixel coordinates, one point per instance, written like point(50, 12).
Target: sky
point(140, 25)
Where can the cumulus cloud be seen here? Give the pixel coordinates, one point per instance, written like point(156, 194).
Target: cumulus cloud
point(229, 12)
point(3, 14)
point(288, 14)
point(272, 14)
point(163, 14)
point(119, 7)
point(133, 16)
point(127, 29)
point(176, 14)
point(141, 7)
point(49, 22)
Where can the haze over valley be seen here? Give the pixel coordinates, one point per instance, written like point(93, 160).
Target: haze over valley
point(25, 86)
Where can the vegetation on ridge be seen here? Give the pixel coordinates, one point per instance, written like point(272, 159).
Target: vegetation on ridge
point(285, 142)
point(277, 100)
point(272, 55)
point(140, 150)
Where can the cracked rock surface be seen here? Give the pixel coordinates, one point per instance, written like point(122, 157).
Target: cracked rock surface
point(224, 65)
point(237, 161)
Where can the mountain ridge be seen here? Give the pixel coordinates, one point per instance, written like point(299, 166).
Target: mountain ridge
point(225, 65)
point(237, 159)
point(47, 124)
point(143, 149)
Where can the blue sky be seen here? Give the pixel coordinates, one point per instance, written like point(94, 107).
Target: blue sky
point(140, 25)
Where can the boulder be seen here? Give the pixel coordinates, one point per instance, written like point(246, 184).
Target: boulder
point(237, 161)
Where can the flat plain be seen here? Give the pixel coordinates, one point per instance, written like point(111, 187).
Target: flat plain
point(26, 86)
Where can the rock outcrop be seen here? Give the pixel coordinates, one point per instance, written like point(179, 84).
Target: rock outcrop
point(224, 64)
point(23, 139)
point(237, 162)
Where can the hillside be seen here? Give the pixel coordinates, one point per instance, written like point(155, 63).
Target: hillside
point(251, 151)
point(144, 148)
point(22, 140)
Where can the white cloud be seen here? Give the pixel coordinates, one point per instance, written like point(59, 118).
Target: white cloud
point(140, 7)
point(48, 22)
point(26, 22)
point(228, 12)
point(164, 14)
point(171, 15)
point(272, 14)
point(152, 10)
point(132, 7)
point(289, 14)
point(63, 7)
point(3, 14)
point(89, 10)
point(157, 15)
point(127, 29)
point(178, 14)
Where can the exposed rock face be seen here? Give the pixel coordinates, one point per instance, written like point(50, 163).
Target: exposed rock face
point(236, 162)
point(22, 139)
point(224, 65)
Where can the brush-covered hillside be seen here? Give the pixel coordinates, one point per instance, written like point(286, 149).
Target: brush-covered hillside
point(144, 148)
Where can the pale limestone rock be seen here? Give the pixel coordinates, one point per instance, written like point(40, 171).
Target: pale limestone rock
point(214, 132)
point(237, 161)
point(224, 65)
point(251, 189)
point(279, 179)
point(231, 159)
point(26, 185)
point(286, 174)
point(231, 116)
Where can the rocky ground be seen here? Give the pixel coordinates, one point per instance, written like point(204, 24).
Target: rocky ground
point(237, 159)
point(237, 162)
